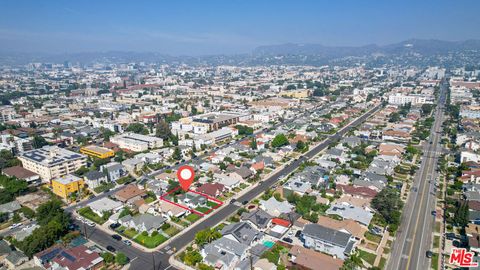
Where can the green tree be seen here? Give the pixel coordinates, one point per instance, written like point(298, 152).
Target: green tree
point(108, 257)
point(138, 128)
point(163, 130)
point(394, 117)
point(192, 258)
point(253, 144)
point(206, 236)
point(279, 141)
point(300, 146)
point(461, 214)
point(177, 154)
point(121, 258)
point(39, 142)
point(388, 204)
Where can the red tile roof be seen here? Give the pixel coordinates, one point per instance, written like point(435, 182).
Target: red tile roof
point(281, 222)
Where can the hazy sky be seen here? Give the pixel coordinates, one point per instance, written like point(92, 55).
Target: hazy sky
point(228, 26)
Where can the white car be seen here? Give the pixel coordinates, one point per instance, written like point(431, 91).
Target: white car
point(15, 225)
point(90, 223)
point(79, 218)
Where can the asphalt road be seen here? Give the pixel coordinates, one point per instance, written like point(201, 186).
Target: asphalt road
point(414, 237)
point(145, 260)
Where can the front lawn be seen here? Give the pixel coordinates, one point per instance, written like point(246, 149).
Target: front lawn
point(211, 204)
point(368, 257)
point(373, 237)
point(103, 187)
point(202, 209)
point(192, 218)
point(130, 233)
point(150, 241)
point(171, 231)
point(87, 212)
point(149, 200)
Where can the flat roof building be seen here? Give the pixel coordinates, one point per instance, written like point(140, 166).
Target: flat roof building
point(137, 142)
point(97, 151)
point(52, 162)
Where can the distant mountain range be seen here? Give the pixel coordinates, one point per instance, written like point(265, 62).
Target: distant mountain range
point(288, 54)
point(422, 46)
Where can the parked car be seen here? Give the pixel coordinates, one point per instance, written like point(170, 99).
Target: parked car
point(90, 223)
point(127, 242)
point(429, 254)
point(434, 213)
point(113, 226)
point(232, 201)
point(15, 225)
point(111, 249)
point(116, 237)
point(244, 202)
point(288, 240)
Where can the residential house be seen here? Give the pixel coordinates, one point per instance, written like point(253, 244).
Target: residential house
point(76, 258)
point(23, 174)
point(192, 200)
point(10, 208)
point(304, 258)
point(170, 210)
point(114, 171)
point(14, 259)
point(295, 185)
point(224, 253)
point(94, 179)
point(211, 189)
point(143, 222)
point(336, 243)
point(348, 211)
point(229, 181)
point(276, 208)
point(105, 205)
point(258, 218)
point(130, 194)
point(243, 233)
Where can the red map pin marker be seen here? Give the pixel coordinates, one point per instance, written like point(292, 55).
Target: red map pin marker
point(185, 175)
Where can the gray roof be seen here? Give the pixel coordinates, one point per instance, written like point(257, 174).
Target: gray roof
point(10, 207)
point(94, 175)
point(15, 257)
point(258, 217)
point(4, 248)
point(231, 248)
point(351, 212)
point(149, 221)
point(325, 234)
point(243, 232)
point(365, 183)
point(371, 176)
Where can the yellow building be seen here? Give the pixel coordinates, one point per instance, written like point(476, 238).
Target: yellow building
point(97, 151)
point(66, 185)
point(296, 93)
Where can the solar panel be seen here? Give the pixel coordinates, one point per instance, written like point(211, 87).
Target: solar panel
point(67, 256)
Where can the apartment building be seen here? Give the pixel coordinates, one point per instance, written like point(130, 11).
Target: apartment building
point(136, 142)
point(52, 162)
point(401, 99)
point(7, 113)
point(97, 151)
point(66, 185)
